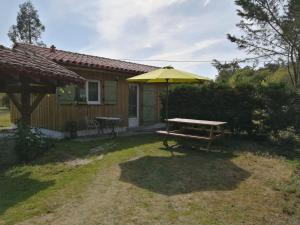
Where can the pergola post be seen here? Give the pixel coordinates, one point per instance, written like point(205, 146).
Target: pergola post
point(25, 108)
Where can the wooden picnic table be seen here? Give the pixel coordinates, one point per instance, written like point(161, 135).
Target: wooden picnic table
point(188, 128)
point(108, 122)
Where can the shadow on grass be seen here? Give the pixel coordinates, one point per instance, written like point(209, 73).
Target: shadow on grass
point(183, 173)
point(16, 189)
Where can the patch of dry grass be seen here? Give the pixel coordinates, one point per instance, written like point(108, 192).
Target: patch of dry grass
point(138, 182)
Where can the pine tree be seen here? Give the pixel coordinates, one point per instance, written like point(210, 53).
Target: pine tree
point(29, 27)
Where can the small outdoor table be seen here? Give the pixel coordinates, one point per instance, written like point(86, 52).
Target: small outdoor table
point(184, 127)
point(108, 122)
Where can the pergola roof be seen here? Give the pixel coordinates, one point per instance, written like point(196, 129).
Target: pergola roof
point(19, 64)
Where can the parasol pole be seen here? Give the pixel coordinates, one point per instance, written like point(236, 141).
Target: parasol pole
point(167, 106)
point(167, 114)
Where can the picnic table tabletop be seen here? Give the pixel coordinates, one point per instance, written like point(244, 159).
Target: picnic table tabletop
point(196, 122)
point(107, 118)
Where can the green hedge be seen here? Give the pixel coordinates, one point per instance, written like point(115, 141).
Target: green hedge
point(247, 109)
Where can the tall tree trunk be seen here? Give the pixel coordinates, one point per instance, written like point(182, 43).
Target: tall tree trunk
point(297, 79)
point(298, 72)
point(29, 30)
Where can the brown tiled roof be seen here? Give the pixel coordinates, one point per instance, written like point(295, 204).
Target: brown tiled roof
point(87, 61)
point(28, 64)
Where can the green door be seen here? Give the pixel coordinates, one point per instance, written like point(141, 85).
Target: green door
point(149, 104)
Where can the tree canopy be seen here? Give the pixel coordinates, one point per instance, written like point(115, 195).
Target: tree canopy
point(271, 29)
point(233, 74)
point(225, 70)
point(29, 27)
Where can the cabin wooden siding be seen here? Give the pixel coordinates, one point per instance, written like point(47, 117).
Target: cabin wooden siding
point(51, 114)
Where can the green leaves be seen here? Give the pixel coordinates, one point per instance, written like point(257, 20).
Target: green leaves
point(271, 30)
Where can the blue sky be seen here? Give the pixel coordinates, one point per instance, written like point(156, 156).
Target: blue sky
point(137, 29)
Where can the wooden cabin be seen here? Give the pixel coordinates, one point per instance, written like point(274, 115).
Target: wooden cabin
point(105, 93)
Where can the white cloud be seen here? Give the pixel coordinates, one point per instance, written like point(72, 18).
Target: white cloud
point(156, 29)
point(206, 2)
point(140, 29)
point(186, 52)
point(109, 16)
point(115, 13)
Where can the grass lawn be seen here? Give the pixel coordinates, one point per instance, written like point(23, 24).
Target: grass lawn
point(4, 117)
point(134, 180)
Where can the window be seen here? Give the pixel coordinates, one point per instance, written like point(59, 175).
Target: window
point(93, 91)
point(110, 92)
point(66, 95)
point(72, 94)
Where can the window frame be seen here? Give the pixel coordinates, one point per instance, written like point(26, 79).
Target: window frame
point(87, 92)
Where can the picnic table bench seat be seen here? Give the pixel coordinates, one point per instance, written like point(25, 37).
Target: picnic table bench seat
point(177, 134)
point(215, 129)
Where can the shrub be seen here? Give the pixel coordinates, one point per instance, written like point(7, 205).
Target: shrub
point(248, 109)
point(214, 102)
point(279, 106)
point(287, 137)
point(30, 144)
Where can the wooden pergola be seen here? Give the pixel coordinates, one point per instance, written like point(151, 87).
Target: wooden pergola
point(28, 75)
